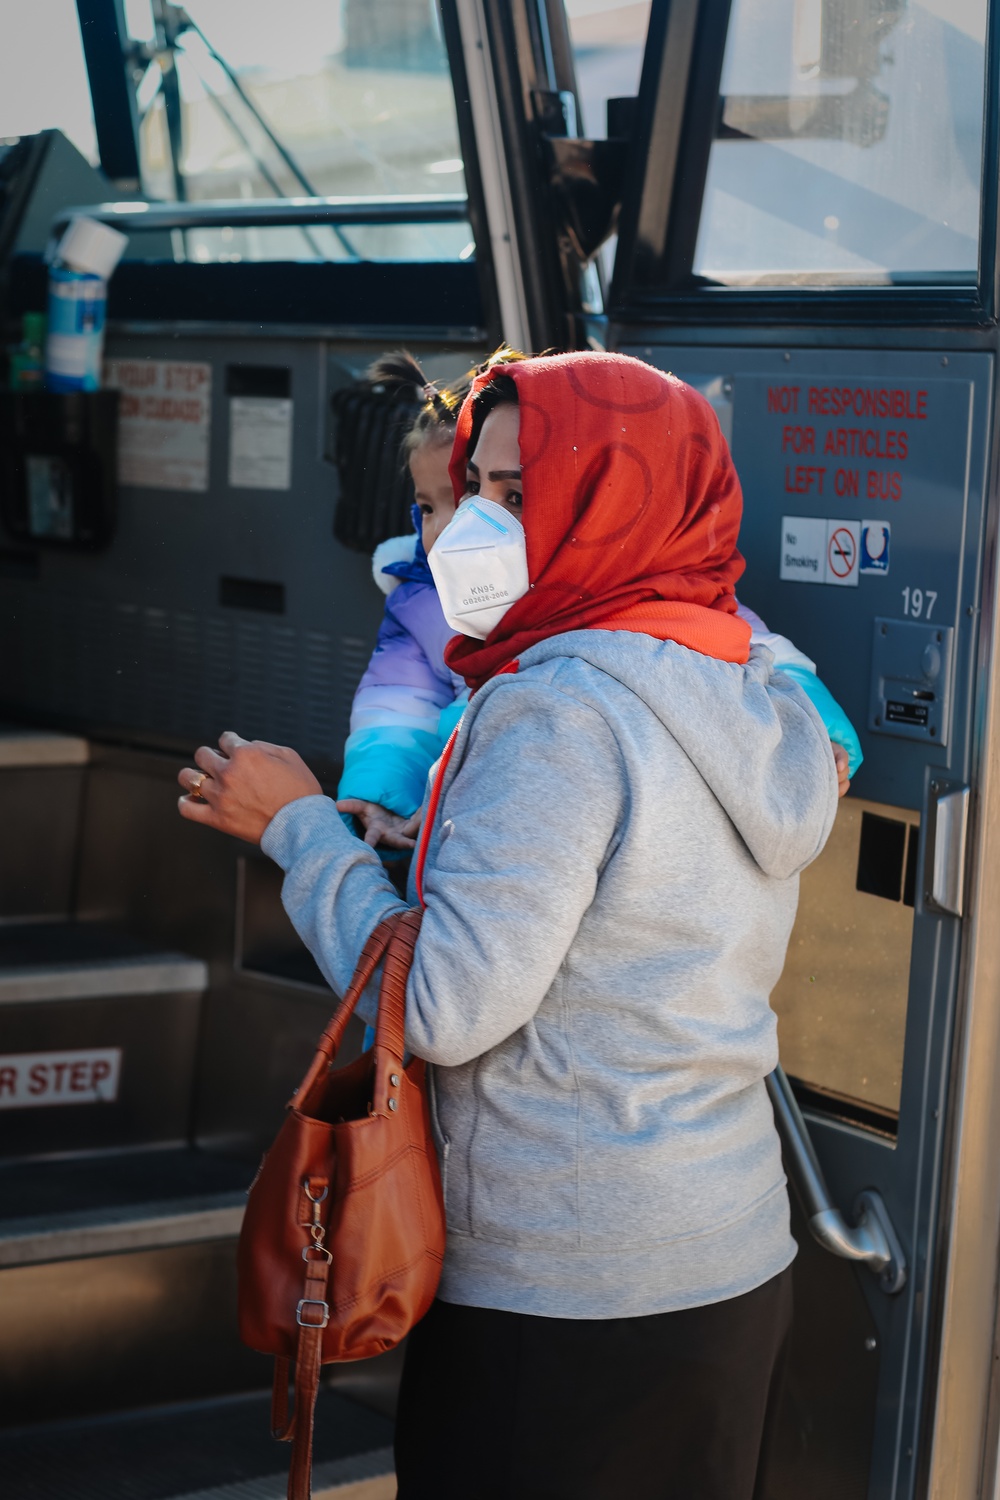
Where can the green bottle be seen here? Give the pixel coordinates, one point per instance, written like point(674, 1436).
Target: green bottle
point(27, 359)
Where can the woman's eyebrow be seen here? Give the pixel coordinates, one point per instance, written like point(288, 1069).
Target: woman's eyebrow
point(504, 473)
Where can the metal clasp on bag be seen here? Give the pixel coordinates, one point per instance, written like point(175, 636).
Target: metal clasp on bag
point(312, 1302)
point(318, 1247)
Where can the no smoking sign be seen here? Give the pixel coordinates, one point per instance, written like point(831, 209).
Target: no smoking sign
point(842, 553)
point(817, 549)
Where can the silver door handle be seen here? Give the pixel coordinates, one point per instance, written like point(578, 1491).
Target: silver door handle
point(950, 821)
point(871, 1238)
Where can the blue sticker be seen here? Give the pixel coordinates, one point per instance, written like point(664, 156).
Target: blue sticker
point(875, 536)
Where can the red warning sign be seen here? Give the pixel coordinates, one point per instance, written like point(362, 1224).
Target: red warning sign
point(842, 555)
point(843, 547)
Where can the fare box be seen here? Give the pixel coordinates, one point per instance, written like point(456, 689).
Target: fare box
point(820, 549)
point(82, 1076)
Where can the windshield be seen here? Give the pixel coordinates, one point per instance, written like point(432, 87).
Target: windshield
point(300, 98)
point(43, 76)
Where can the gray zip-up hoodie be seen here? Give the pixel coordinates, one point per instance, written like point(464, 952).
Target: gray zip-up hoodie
point(610, 885)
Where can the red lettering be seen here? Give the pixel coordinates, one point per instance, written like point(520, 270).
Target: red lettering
point(170, 409)
point(58, 1069)
point(38, 1079)
point(78, 1080)
point(885, 485)
point(856, 442)
point(845, 482)
point(8, 1080)
point(100, 1071)
point(799, 439)
point(136, 377)
point(865, 401)
point(801, 479)
point(783, 399)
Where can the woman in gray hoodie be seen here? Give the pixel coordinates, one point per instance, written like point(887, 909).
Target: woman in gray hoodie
point(610, 875)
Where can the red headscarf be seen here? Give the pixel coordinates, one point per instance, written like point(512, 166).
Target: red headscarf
point(631, 510)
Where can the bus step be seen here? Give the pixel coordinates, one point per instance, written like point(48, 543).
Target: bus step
point(118, 1283)
point(210, 1450)
point(80, 1207)
point(99, 1038)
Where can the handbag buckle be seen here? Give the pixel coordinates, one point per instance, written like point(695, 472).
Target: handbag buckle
point(308, 1251)
point(312, 1302)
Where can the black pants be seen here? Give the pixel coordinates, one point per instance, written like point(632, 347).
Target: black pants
point(678, 1406)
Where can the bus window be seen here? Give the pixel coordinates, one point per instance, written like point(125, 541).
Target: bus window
point(305, 99)
point(53, 96)
point(608, 38)
point(850, 144)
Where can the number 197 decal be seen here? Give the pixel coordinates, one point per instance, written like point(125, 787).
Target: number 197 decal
point(918, 603)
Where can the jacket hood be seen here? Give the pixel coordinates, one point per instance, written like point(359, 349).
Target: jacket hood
point(750, 732)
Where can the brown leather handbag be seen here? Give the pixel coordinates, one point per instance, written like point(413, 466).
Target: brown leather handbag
point(343, 1238)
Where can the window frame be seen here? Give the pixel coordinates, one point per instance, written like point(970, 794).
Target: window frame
point(678, 114)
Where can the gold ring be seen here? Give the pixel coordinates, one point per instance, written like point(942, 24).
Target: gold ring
point(194, 790)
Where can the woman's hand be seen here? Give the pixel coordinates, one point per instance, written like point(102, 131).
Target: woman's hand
point(240, 790)
point(382, 826)
point(840, 760)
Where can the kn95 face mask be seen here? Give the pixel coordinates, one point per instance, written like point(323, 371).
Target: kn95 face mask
point(480, 566)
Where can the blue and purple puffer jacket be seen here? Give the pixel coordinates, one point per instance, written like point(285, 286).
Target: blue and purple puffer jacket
point(408, 701)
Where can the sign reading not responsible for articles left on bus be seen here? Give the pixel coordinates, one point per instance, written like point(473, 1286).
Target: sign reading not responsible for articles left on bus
point(164, 420)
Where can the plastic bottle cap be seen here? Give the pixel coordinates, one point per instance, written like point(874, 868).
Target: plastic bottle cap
point(91, 247)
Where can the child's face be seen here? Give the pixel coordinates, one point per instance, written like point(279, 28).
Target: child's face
point(434, 494)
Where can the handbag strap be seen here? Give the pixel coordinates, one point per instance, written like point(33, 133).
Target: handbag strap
point(329, 1042)
point(390, 1023)
point(313, 1315)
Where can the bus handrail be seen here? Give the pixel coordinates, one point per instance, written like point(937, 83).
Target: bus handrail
point(262, 213)
point(871, 1239)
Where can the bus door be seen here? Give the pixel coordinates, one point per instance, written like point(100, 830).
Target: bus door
point(807, 236)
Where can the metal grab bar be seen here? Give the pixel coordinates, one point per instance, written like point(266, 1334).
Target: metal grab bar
point(263, 213)
point(872, 1238)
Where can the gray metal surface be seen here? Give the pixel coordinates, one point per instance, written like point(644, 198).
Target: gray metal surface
point(134, 640)
point(219, 1448)
point(948, 853)
point(149, 1040)
point(943, 399)
point(159, 974)
point(41, 808)
point(111, 1231)
point(21, 748)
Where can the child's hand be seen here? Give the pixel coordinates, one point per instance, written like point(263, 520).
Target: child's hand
point(840, 760)
point(382, 826)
